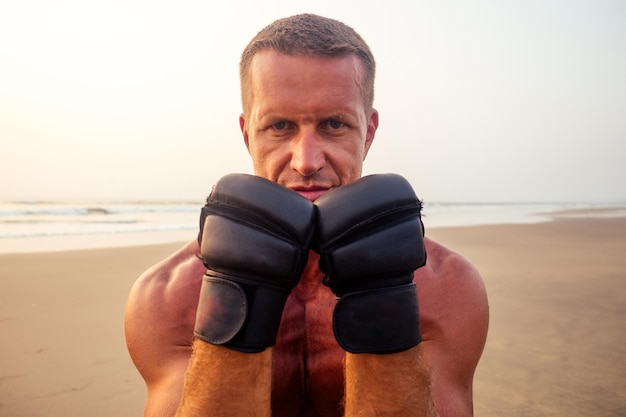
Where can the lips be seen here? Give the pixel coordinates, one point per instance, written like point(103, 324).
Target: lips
point(310, 193)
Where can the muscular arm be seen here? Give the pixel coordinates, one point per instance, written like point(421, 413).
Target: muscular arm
point(369, 252)
point(248, 388)
point(159, 320)
point(434, 378)
point(388, 385)
point(254, 243)
point(455, 318)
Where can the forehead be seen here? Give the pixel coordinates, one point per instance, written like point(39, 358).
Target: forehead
point(274, 60)
point(274, 74)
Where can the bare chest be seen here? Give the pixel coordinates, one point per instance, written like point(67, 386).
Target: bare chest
point(307, 361)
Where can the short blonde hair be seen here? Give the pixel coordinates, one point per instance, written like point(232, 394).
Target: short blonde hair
point(309, 34)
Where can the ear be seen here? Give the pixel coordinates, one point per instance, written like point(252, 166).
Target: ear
point(372, 126)
point(244, 131)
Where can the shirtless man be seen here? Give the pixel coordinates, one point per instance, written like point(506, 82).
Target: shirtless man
point(308, 123)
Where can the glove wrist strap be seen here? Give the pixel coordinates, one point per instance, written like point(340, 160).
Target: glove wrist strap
point(239, 316)
point(384, 320)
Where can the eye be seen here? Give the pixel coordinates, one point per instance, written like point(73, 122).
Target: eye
point(335, 124)
point(279, 126)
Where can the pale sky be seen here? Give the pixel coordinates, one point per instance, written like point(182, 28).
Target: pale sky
point(496, 101)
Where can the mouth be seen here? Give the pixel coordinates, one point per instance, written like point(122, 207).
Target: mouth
point(311, 193)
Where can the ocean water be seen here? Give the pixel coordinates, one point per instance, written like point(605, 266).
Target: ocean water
point(27, 223)
point(28, 226)
point(32, 218)
point(476, 214)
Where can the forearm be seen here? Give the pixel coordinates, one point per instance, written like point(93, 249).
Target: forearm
point(224, 382)
point(246, 222)
point(369, 252)
point(395, 384)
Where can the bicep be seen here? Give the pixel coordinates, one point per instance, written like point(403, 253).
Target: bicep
point(164, 391)
point(155, 356)
point(157, 346)
point(456, 346)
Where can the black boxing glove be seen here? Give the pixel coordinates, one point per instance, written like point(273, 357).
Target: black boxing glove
point(370, 240)
point(254, 240)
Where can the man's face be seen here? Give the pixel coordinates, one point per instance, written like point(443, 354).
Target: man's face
point(306, 126)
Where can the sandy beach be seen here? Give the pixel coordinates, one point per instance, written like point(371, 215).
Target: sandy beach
point(556, 345)
point(557, 337)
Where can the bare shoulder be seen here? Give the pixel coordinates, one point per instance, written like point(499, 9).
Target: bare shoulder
point(454, 313)
point(449, 279)
point(452, 296)
point(160, 312)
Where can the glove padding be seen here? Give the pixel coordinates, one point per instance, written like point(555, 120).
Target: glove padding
point(254, 238)
point(370, 240)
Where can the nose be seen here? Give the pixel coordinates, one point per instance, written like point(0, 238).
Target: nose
point(307, 153)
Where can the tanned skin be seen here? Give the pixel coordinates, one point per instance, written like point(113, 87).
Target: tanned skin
point(453, 314)
point(248, 378)
point(374, 387)
point(308, 129)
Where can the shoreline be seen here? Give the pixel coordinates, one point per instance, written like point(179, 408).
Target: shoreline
point(432, 221)
point(52, 244)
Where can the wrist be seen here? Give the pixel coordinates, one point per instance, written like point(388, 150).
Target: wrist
point(381, 320)
point(241, 317)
